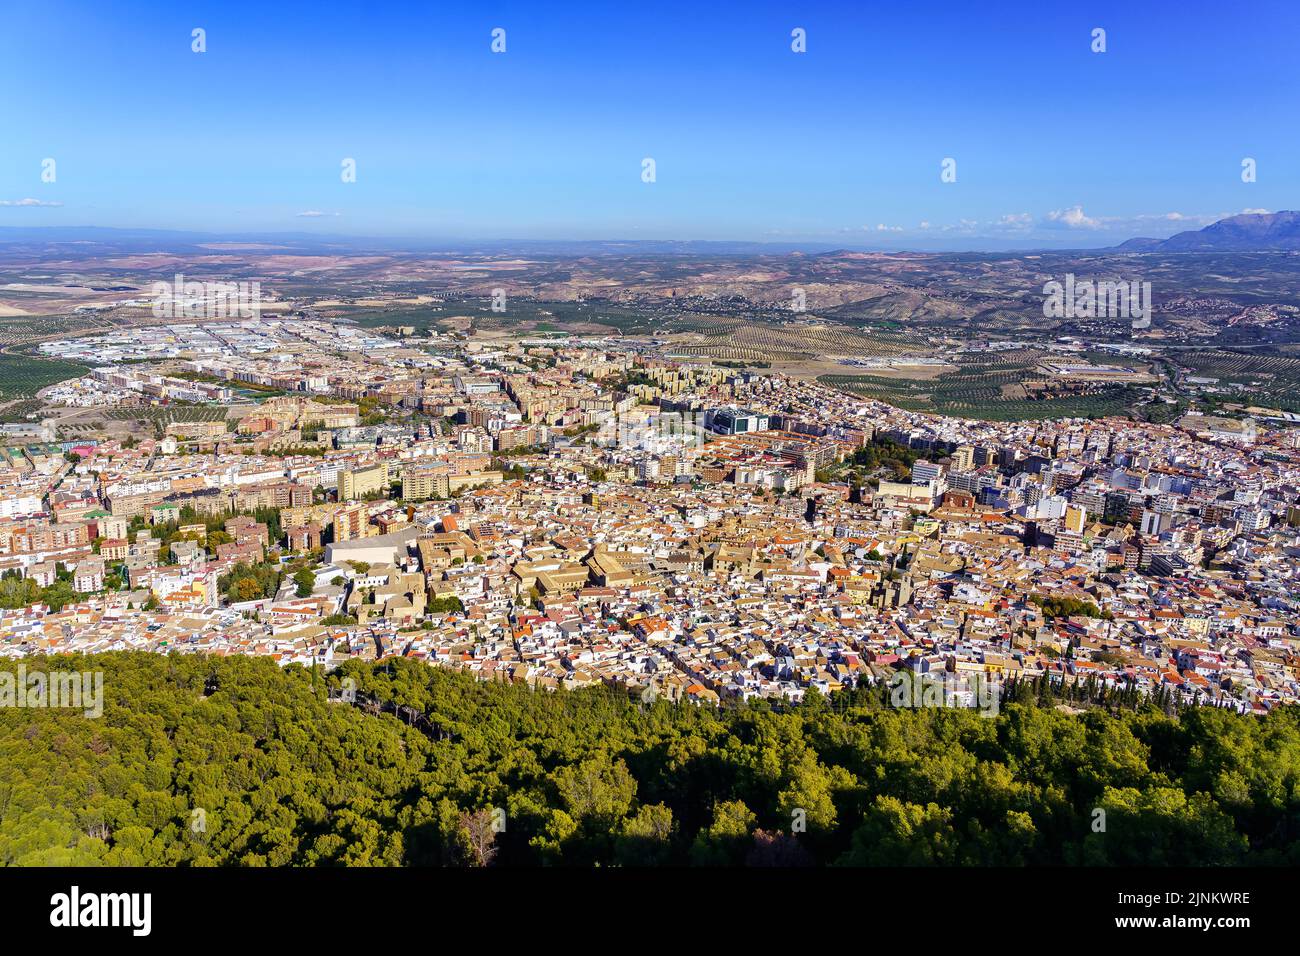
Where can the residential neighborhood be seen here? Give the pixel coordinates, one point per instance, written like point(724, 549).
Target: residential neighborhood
point(590, 512)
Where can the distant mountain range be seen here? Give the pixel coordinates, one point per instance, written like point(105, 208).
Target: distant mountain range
point(1250, 232)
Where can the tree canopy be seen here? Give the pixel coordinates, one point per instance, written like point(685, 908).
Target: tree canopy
point(235, 761)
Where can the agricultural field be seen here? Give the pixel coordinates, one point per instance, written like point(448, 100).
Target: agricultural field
point(19, 411)
point(70, 431)
point(124, 421)
point(1270, 380)
point(522, 315)
point(1002, 386)
point(165, 415)
point(736, 340)
point(19, 330)
point(542, 316)
point(23, 377)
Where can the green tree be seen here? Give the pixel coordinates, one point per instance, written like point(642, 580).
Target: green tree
point(305, 581)
point(646, 837)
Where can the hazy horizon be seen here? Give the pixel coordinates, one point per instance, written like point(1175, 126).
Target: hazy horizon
point(420, 243)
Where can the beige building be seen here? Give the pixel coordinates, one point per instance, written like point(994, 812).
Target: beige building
point(420, 484)
point(357, 482)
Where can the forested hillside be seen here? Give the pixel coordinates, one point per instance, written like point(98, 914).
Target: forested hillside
point(234, 761)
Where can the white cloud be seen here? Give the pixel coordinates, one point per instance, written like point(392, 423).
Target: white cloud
point(879, 227)
point(1015, 220)
point(28, 202)
point(1175, 217)
point(315, 214)
point(1255, 212)
point(1073, 218)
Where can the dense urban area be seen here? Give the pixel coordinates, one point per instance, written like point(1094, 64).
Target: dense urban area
point(591, 511)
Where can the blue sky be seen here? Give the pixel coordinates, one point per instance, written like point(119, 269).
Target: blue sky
point(1053, 143)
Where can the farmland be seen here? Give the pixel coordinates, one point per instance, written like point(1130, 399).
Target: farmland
point(137, 420)
point(23, 377)
point(735, 340)
point(521, 315)
point(23, 410)
point(1002, 386)
point(20, 330)
point(165, 415)
point(1272, 380)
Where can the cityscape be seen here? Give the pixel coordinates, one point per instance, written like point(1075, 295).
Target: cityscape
point(650, 533)
point(576, 510)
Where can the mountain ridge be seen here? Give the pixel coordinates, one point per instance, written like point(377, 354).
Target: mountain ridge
point(1247, 232)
